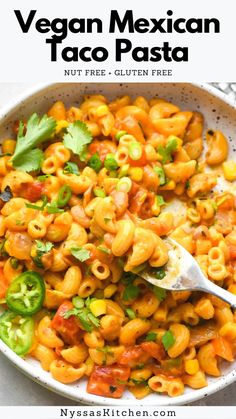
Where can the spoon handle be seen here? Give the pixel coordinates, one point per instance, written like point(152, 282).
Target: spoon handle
point(220, 292)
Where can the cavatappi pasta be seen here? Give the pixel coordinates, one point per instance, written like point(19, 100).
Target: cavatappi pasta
point(86, 198)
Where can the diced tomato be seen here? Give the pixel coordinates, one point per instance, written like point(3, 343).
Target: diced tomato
point(223, 348)
point(133, 356)
point(137, 201)
point(69, 328)
point(102, 148)
point(3, 284)
point(108, 381)
point(155, 350)
point(33, 191)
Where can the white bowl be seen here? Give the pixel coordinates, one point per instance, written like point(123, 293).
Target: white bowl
point(219, 113)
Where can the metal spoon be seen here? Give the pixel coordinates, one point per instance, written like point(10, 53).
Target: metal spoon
point(183, 273)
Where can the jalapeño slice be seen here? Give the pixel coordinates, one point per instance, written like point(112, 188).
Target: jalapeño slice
point(16, 331)
point(26, 293)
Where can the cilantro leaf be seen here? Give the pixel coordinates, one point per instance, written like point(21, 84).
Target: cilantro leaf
point(168, 340)
point(71, 167)
point(160, 293)
point(130, 313)
point(80, 253)
point(53, 208)
point(32, 161)
point(95, 162)
point(86, 318)
point(38, 207)
point(77, 137)
point(44, 247)
point(26, 156)
point(42, 178)
point(128, 277)
point(166, 152)
point(41, 249)
point(131, 291)
point(158, 273)
point(151, 336)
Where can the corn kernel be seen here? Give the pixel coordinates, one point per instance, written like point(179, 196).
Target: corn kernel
point(90, 365)
point(168, 186)
point(156, 209)
point(8, 146)
point(191, 366)
point(98, 307)
point(229, 170)
point(102, 111)
point(110, 290)
point(61, 124)
point(150, 152)
point(136, 174)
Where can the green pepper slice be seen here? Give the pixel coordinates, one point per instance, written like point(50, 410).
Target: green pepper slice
point(16, 331)
point(26, 293)
point(64, 196)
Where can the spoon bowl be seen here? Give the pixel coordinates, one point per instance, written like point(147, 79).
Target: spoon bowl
point(184, 274)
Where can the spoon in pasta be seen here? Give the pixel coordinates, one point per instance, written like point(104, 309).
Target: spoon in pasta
point(182, 273)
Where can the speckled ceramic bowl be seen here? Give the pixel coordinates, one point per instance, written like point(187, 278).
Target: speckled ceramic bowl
point(218, 113)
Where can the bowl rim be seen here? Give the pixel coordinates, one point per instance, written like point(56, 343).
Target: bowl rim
point(62, 389)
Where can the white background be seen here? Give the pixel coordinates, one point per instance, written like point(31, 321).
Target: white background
point(26, 57)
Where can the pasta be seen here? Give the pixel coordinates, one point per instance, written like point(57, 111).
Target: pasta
point(77, 230)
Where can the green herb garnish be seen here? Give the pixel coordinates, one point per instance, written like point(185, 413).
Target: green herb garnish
point(168, 340)
point(76, 138)
point(130, 313)
point(95, 162)
point(166, 152)
point(71, 168)
point(151, 336)
point(110, 162)
point(131, 291)
point(158, 273)
point(160, 293)
point(27, 157)
point(80, 253)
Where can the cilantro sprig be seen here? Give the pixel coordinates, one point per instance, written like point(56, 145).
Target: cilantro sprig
point(27, 157)
point(168, 340)
point(80, 253)
point(82, 311)
point(77, 137)
point(166, 152)
point(41, 249)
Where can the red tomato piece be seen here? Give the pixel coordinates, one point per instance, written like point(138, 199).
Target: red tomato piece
point(3, 284)
point(133, 356)
point(33, 191)
point(108, 381)
point(69, 328)
point(155, 350)
point(102, 148)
